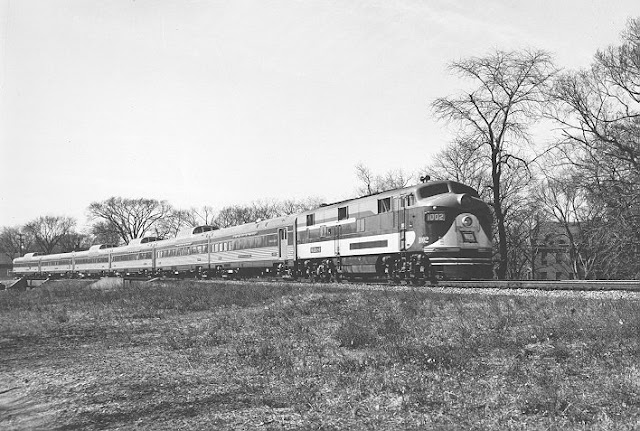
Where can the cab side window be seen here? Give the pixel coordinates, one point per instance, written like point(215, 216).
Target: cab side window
point(384, 205)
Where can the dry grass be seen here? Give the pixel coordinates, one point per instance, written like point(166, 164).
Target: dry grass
point(253, 356)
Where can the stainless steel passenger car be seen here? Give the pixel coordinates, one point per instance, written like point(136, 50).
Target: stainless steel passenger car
point(27, 265)
point(57, 265)
point(93, 262)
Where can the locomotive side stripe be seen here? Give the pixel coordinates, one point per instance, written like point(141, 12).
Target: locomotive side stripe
point(327, 224)
point(368, 244)
point(374, 244)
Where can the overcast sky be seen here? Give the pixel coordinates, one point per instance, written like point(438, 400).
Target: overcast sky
point(223, 102)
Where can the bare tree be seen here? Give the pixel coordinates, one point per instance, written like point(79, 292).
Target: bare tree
point(521, 228)
point(105, 233)
point(567, 203)
point(262, 210)
point(494, 117)
point(15, 243)
point(130, 218)
point(173, 222)
point(598, 110)
point(293, 206)
point(204, 215)
point(48, 231)
point(74, 241)
point(375, 183)
point(367, 178)
point(461, 162)
point(233, 215)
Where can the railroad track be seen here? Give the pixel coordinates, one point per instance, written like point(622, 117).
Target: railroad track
point(628, 290)
point(480, 285)
point(578, 285)
point(461, 286)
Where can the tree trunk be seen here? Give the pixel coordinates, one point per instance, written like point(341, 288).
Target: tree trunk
point(501, 273)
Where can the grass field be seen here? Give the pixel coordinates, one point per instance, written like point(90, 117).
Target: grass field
point(188, 355)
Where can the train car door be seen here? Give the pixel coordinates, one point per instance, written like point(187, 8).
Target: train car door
point(283, 243)
point(294, 243)
point(153, 258)
point(336, 242)
point(209, 250)
point(401, 210)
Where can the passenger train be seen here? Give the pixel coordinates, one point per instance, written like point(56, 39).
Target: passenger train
point(439, 229)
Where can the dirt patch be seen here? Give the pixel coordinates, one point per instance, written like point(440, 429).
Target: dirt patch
point(107, 283)
point(67, 284)
point(18, 410)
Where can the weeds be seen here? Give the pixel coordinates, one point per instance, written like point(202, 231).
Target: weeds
point(253, 356)
point(355, 335)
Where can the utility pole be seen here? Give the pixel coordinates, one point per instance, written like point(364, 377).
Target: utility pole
point(20, 242)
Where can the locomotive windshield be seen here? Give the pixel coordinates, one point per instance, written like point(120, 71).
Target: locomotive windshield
point(445, 187)
point(433, 190)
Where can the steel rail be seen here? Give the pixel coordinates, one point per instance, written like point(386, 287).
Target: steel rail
point(542, 285)
point(580, 285)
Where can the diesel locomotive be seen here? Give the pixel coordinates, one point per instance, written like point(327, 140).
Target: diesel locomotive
point(438, 229)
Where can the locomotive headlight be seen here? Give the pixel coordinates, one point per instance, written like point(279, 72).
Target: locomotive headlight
point(467, 221)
